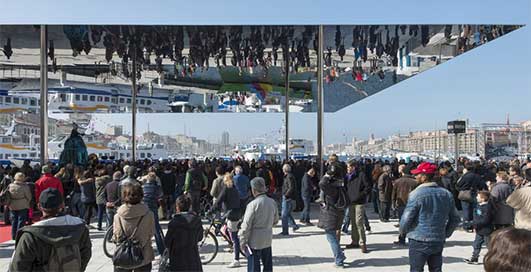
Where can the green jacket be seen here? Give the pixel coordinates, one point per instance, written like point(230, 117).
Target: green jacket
point(188, 179)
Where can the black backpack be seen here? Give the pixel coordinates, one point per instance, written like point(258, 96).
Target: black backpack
point(196, 180)
point(129, 253)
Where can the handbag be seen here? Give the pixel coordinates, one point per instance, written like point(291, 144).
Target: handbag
point(164, 265)
point(465, 195)
point(129, 253)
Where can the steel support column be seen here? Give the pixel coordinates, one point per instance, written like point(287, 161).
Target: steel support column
point(286, 106)
point(133, 105)
point(44, 96)
point(320, 109)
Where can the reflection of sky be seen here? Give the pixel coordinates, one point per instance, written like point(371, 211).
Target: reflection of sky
point(483, 85)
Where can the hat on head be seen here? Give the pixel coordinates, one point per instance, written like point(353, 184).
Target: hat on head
point(50, 198)
point(425, 168)
point(258, 184)
point(46, 169)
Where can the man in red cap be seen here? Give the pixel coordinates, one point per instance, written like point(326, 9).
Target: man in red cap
point(429, 218)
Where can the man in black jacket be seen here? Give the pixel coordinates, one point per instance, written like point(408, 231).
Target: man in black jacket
point(358, 188)
point(57, 243)
point(482, 224)
point(467, 186)
point(307, 189)
point(289, 192)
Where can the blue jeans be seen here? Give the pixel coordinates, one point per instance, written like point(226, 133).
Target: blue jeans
point(334, 245)
point(346, 221)
point(236, 243)
point(305, 217)
point(101, 215)
point(287, 219)
point(422, 252)
point(265, 255)
point(110, 216)
point(159, 240)
point(18, 220)
point(478, 242)
point(468, 210)
point(77, 207)
point(400, 209)
point(375, 200)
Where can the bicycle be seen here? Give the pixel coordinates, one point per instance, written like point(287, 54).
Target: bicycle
point(209, 246)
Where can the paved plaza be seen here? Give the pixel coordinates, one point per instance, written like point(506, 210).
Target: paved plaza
point(308, 250)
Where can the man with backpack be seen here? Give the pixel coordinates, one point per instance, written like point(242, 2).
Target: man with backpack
point(194, 183)
point(58, 242)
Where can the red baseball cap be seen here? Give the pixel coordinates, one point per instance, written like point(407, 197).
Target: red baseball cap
point(425, 168)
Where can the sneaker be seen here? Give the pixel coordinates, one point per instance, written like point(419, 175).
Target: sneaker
point(295, 228)
point(308, 224)
point(471, 261)
point(339, 265)
point(234, 264)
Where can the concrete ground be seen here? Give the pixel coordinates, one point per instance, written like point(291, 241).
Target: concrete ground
point(308, 250)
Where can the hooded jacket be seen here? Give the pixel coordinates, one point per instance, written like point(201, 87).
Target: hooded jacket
point(34, 243)
point(184, 232)
point(127, 217)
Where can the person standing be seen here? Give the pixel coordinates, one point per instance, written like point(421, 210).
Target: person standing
point(429, 218)
point(88, 195)
point(135, 221)
point(333, 210)
point(385, 189)
point(152, 196)
point(467, 186)
point(168, 180)
point(289, 192)
point(47, 180)
point(243, 185)
point(256, 233)
point(230, 199)
point(503, 213)
point(101, 181)
point(401, 189)
point(217, 184)
point(195, 182)
point(482, 224)
point(18, 201)
point(184, 232)
point(56, 243)
point(358, 189)
point(112, 196)
point(307, 189)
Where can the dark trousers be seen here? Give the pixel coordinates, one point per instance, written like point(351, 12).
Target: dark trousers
point(110, 216)
point(159, 240)
point(196, 202)
point(400, 209)
point(468, 209)
point(236, 244)
point(88, 209)
point(478, 242)
point(421, 253)
point(265, 255)
point(101, 215)
point(18, 220)
point(145, 268)
point(305, 217)
point(375, 201)
point(385, 210)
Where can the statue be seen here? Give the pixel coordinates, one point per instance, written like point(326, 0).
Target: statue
point(74, 151)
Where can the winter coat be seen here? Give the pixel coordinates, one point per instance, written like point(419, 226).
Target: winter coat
point(520, 201)
point(231, 203)
point(128, 217)
point(468, 181)
point(306, 186)
point(101, 182)
point(184, 232)
point(19, 197)
point(358, 188)
point(168, 179)
point(401, 189)
point(289, 187)
point(330, 217)
point(112, 192)
point(483, 219)
point(217, 185)
point(261, 215)
point(88, 190)
point(45, 182)
point(503, 213)
point(35, 243)
point(385, 187)
point(152, 194)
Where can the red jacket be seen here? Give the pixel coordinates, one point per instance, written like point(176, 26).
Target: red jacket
point(45, 182)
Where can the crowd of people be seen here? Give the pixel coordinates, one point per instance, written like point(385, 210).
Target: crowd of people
point(51, 209)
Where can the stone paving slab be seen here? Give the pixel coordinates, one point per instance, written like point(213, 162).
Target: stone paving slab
point(308, 250)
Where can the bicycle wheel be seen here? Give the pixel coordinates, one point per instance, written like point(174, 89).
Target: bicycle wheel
point(109, 246)
point(208, 248)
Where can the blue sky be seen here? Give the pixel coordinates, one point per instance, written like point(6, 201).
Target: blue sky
point(482, 85)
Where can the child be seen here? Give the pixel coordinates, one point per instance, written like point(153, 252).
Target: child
point(482, 223)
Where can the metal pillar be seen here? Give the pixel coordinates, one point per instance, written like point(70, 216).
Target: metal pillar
point(456, 150)
point(320, 113)
point(133, 105)
point(44, 96)
point(286, 105)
